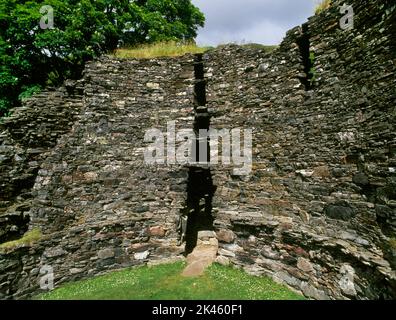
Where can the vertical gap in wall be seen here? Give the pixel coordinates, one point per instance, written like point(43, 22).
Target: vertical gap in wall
point(304, 44)
point(200, 188)
point(200, 191)
point(200, 83)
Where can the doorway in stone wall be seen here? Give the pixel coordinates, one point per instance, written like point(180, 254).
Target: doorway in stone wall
point(200, 191)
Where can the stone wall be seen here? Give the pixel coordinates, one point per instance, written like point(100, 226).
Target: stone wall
point(319, 209)
point(97, 203)
point(25, 138)
point(317, 212)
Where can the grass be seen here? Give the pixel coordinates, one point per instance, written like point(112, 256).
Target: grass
point(161, 49)
point(27, 239)
point(323, 5)
point(173, 49)
point(164, 282)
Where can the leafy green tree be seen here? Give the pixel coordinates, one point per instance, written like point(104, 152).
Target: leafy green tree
point(32, 57)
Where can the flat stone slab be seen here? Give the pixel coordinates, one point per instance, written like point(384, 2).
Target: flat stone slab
point(202, 257)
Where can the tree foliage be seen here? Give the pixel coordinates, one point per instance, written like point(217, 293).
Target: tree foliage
point(31, 56)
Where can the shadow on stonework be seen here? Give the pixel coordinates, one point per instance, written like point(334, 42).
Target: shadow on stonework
point(198, 210)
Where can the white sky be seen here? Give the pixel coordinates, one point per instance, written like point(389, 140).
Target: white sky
point(246, 21)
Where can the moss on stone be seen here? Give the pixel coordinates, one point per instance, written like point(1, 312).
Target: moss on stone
point(392, 243)
point(258, 46)
point(28, 238)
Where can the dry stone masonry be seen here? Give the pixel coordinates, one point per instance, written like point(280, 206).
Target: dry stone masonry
point(317, 212)
point(32, 131)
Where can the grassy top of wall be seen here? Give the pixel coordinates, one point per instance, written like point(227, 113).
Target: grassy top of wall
point(161, 49)
point(323, 5)
point(174, 49)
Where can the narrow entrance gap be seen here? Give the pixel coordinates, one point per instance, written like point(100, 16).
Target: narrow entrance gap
point(200, 188)
point(304, 45)
point(200, 191)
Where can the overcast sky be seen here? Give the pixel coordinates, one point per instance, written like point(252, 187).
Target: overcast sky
point(259, 21)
